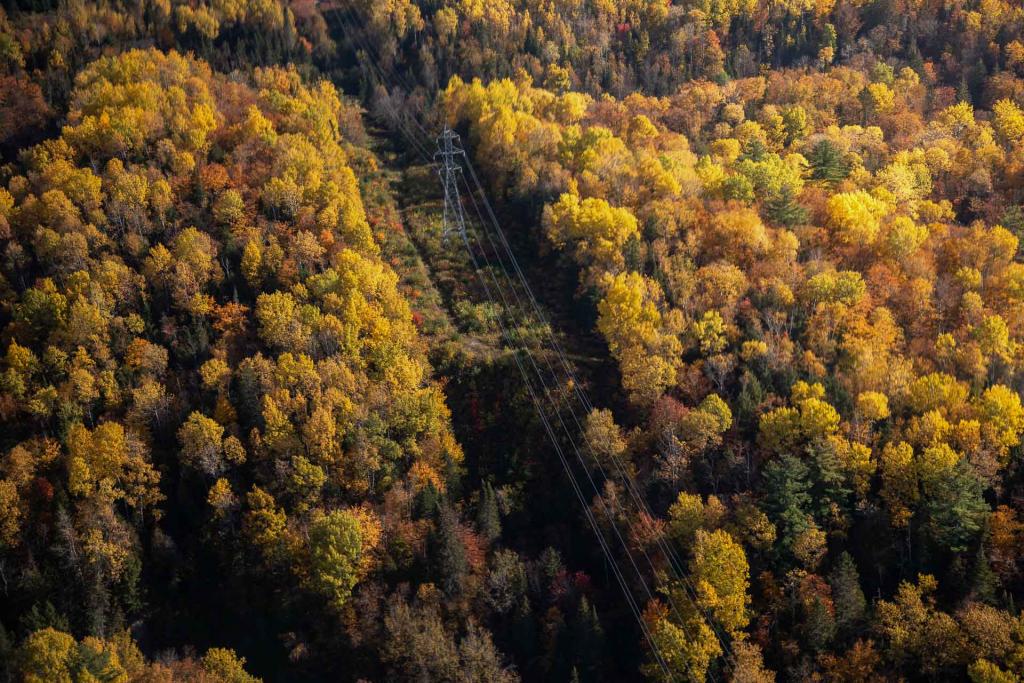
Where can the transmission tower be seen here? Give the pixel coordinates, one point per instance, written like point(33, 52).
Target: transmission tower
point(448, 148)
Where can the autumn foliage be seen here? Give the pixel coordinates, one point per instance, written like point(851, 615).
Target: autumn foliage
point(254, 422)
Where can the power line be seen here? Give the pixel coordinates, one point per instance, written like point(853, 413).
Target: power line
point(446, 145)
point(674, 564)
point(579, 427)
point(453, 208)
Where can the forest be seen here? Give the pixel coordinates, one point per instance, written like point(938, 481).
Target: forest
point(721, 382)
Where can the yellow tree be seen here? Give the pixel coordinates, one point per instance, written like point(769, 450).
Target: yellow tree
point(720, 575)
point(598, 230)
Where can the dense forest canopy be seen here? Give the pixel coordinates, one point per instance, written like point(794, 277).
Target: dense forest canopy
point(258, 422)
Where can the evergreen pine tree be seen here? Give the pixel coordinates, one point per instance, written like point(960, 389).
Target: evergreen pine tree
point(830, 491)
point(587, 642)
point(784, 208)
point(550, 563)
point(820, 627)
point(963, 90)
point(788, 501)
point(523, 636)
point(427, 501)
point(749, 401)
point(488, 519)
point(984, 582)
point(915, 58)
point(449, 551)
point(847, 595)
point(827, 162)
point(955, 509)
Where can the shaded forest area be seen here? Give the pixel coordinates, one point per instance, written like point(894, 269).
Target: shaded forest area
point(257, 420)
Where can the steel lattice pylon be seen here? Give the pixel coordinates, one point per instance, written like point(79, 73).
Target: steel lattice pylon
point(448, 148)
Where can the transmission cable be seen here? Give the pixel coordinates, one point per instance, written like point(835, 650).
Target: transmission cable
point(579, 427)
point(541, 412)
point(376, 71)
point(675, 564)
